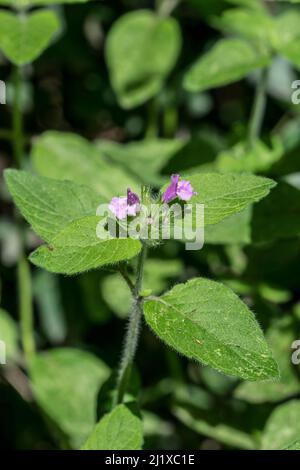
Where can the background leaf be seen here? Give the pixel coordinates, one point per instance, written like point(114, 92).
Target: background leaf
point(228, 61)
point(23, 39)
point(133, 37)
point(70, 157)
point(119, 430)
point(283, 426)
point(73, 374)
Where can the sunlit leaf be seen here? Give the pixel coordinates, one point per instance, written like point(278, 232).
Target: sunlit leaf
point(206, 321)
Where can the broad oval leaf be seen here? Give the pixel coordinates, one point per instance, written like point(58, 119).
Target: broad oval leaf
point(23, 38)
point(119, 430)
point(223, 195)
point(283, 426)
point(49, 205)
point(204, 320)
point(70, 157)
point(228, 61)
point(141, 50)
point(77, 249)
point(65, 384)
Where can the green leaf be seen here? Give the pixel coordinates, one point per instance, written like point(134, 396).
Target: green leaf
point(65, 383)
point(255, 25)
point(206, 321)
point(280, 336)
point(68, 156)
point(49, 205)
point(258, 159)
point(291, 52)
point(223, 195)
point(23, 38)
point(141, 50)
point(145, 159)
point(9, 335)
point(228, 61)
point(119, 430)
point(232, 230)
point(216, 430)
point(77, 249)
point(283, 426)
point(294, 446)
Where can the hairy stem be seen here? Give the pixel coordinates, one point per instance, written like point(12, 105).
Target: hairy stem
point(25, 309)
point(18, 140)
point(133, 330)
point(259, 106)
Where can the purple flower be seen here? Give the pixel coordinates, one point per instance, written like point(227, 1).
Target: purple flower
point(171, 191)
point(118, 206)
point(185, 190)
point(122, 207)
point(181, 189)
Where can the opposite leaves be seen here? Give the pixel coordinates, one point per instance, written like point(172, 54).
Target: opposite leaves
point(206, 321)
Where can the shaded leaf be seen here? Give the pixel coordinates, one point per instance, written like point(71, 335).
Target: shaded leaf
point(280, 337)
point(70, 157)
point(283, 426)
point(119, 430)
point(228, 61)
point(65, 383)
point(132, 38)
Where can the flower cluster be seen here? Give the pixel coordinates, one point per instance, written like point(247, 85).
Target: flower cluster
point(123, 207)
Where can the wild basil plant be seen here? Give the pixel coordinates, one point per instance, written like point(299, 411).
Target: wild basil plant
point(165, 131)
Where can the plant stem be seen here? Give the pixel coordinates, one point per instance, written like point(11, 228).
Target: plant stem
point(132, 335)
point(25, 309)
point(18, 141)
point(259, 106)
point(23, 269)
